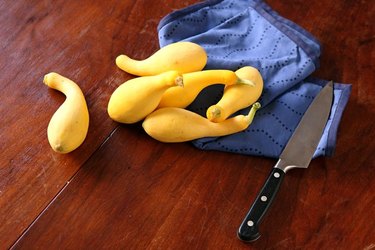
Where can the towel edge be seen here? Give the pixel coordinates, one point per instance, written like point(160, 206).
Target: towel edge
point(279, 21)
point(184, 11)
point(268, 13)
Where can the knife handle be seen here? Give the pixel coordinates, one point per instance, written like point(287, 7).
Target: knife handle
point(249, 229)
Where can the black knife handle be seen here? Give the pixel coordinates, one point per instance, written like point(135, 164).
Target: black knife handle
point(249, 229)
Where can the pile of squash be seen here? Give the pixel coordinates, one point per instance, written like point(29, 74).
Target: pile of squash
point(165, 84)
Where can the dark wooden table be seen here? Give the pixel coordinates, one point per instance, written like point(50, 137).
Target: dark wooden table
point(123, 190)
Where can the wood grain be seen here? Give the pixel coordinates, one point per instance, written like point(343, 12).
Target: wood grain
point(122, 189)
point(79, 40)
point(154, 201)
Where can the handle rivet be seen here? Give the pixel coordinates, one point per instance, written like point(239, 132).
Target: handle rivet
point(263, 198)
point(277, 175)
point(250, 223)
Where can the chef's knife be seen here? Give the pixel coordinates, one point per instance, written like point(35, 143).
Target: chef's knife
point(297, 154)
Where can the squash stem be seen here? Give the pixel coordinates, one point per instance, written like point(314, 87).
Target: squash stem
point(179, 81)
point(253, 110)
point(245, 81)
point(215, 112)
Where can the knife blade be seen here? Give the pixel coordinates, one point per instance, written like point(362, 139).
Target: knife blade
point(297, 154)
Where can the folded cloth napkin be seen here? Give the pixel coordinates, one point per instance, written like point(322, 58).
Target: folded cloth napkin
point(237, 33)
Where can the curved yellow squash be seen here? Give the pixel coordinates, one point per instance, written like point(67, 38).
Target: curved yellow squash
point(68, 126)
point(180, 56)
point(237, 97)
point(172, 124)
point(136, 98)
point(194, 83)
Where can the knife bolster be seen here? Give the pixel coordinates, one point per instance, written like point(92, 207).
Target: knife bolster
point(284, 166)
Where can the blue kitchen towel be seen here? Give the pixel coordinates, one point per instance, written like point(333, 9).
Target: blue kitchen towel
point(238, 33)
